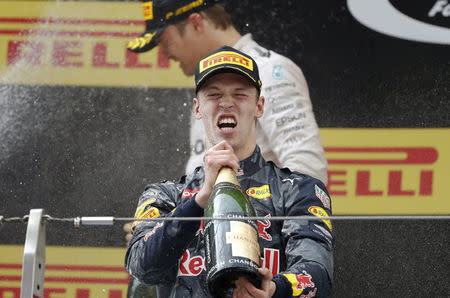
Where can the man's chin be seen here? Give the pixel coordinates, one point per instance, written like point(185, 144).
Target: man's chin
point(187, 71)
point(219, 139)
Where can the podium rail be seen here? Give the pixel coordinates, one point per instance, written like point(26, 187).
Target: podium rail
point(33, 269)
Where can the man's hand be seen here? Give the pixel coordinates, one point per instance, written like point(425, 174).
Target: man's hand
point(218, 156)
point(245, 289)
point(127, 230)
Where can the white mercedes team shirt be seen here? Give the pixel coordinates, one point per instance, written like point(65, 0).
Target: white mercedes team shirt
point(287, 133)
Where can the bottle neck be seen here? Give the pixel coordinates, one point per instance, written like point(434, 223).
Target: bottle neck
point(226, 174)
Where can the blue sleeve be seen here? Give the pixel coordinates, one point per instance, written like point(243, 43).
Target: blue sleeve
point(167, 244)
point(155, 248)
point(309, 243)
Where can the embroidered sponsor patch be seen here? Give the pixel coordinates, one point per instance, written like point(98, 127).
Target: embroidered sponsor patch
point(291, 180)
point(189, 265)
point(156, 227)
point(141, 209)
point(320, 212)
point(323, 197)
point(150, 213)
point(260, 192)
point(300, 282)
point(187, 193)
point(310, 294)
point(225, 58)
point(263, 225)
point(324, 231)
point(277, 72)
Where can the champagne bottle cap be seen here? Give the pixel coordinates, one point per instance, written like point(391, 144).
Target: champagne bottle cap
point(227, 174)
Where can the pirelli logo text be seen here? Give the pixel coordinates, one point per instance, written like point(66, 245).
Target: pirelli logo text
point(387, 171)
point(78, 48)
point(226, 57)
point(379, 172)
point(70, 272)
point(148, 10)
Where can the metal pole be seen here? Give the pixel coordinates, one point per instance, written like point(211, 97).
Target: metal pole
point(33, 267)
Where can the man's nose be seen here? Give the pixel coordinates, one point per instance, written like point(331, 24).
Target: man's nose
point(226, 102)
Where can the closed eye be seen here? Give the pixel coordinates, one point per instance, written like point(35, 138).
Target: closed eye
point(213, 95)
point(241, 95)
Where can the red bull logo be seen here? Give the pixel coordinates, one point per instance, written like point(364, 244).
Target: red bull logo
point(263, 225)
point(194, 265)
point(304, 281)
point(300, 282)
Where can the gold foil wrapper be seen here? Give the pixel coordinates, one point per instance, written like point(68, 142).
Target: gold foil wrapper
point(227, 175)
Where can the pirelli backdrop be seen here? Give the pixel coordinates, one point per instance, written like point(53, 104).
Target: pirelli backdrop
point(85, 125)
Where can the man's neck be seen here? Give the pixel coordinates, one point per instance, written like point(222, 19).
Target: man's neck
point(218, 38)
point(246, 152)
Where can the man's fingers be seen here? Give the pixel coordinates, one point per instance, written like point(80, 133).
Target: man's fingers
point(241, 289)
point(227, 146)
point(128, 237)
point(223, 158)
point(127, 227)
point(223, 145)
point(266, 278)
point(252, 290)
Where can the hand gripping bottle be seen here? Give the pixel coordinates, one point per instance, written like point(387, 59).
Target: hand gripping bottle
point(231, 247)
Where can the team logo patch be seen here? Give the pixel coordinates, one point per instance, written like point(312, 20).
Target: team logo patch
point(300, 282)
point(263, 225)
point(261, 192)
point(320, 212)
point(290, 180)
point(187, 193)
point(323, 197)
point(150, 213)
point(277, 72)
point(153, 231)
point(141, 209)
point(225, 58)
point(148, 10)
point(189, 265)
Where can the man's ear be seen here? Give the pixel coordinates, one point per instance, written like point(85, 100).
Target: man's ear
point(197, 21)
point(260, 106)
point(196, 104)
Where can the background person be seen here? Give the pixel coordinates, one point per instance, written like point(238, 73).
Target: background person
point(188, 30)
point(298, 257)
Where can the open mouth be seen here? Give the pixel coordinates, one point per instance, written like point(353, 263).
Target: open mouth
point(226, 123)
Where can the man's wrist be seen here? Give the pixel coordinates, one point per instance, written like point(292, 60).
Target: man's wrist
point(282, 287)
point(202, 197)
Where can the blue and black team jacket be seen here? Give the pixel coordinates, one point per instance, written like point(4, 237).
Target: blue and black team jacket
point(299, 253)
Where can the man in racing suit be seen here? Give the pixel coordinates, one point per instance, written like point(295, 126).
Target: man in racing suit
point(296, 254)
point(288, 133)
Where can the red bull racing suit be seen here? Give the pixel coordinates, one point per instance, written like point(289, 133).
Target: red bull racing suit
point(299, 253)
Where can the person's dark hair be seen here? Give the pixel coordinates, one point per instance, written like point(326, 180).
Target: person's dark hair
point(216, 14)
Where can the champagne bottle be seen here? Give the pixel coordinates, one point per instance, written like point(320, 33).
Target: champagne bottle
point(231, 247)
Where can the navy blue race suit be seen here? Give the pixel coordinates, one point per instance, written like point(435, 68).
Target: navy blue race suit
point(299, 253)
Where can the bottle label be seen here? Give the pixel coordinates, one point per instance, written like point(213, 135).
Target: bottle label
point(231, 244)
point(244, 241)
